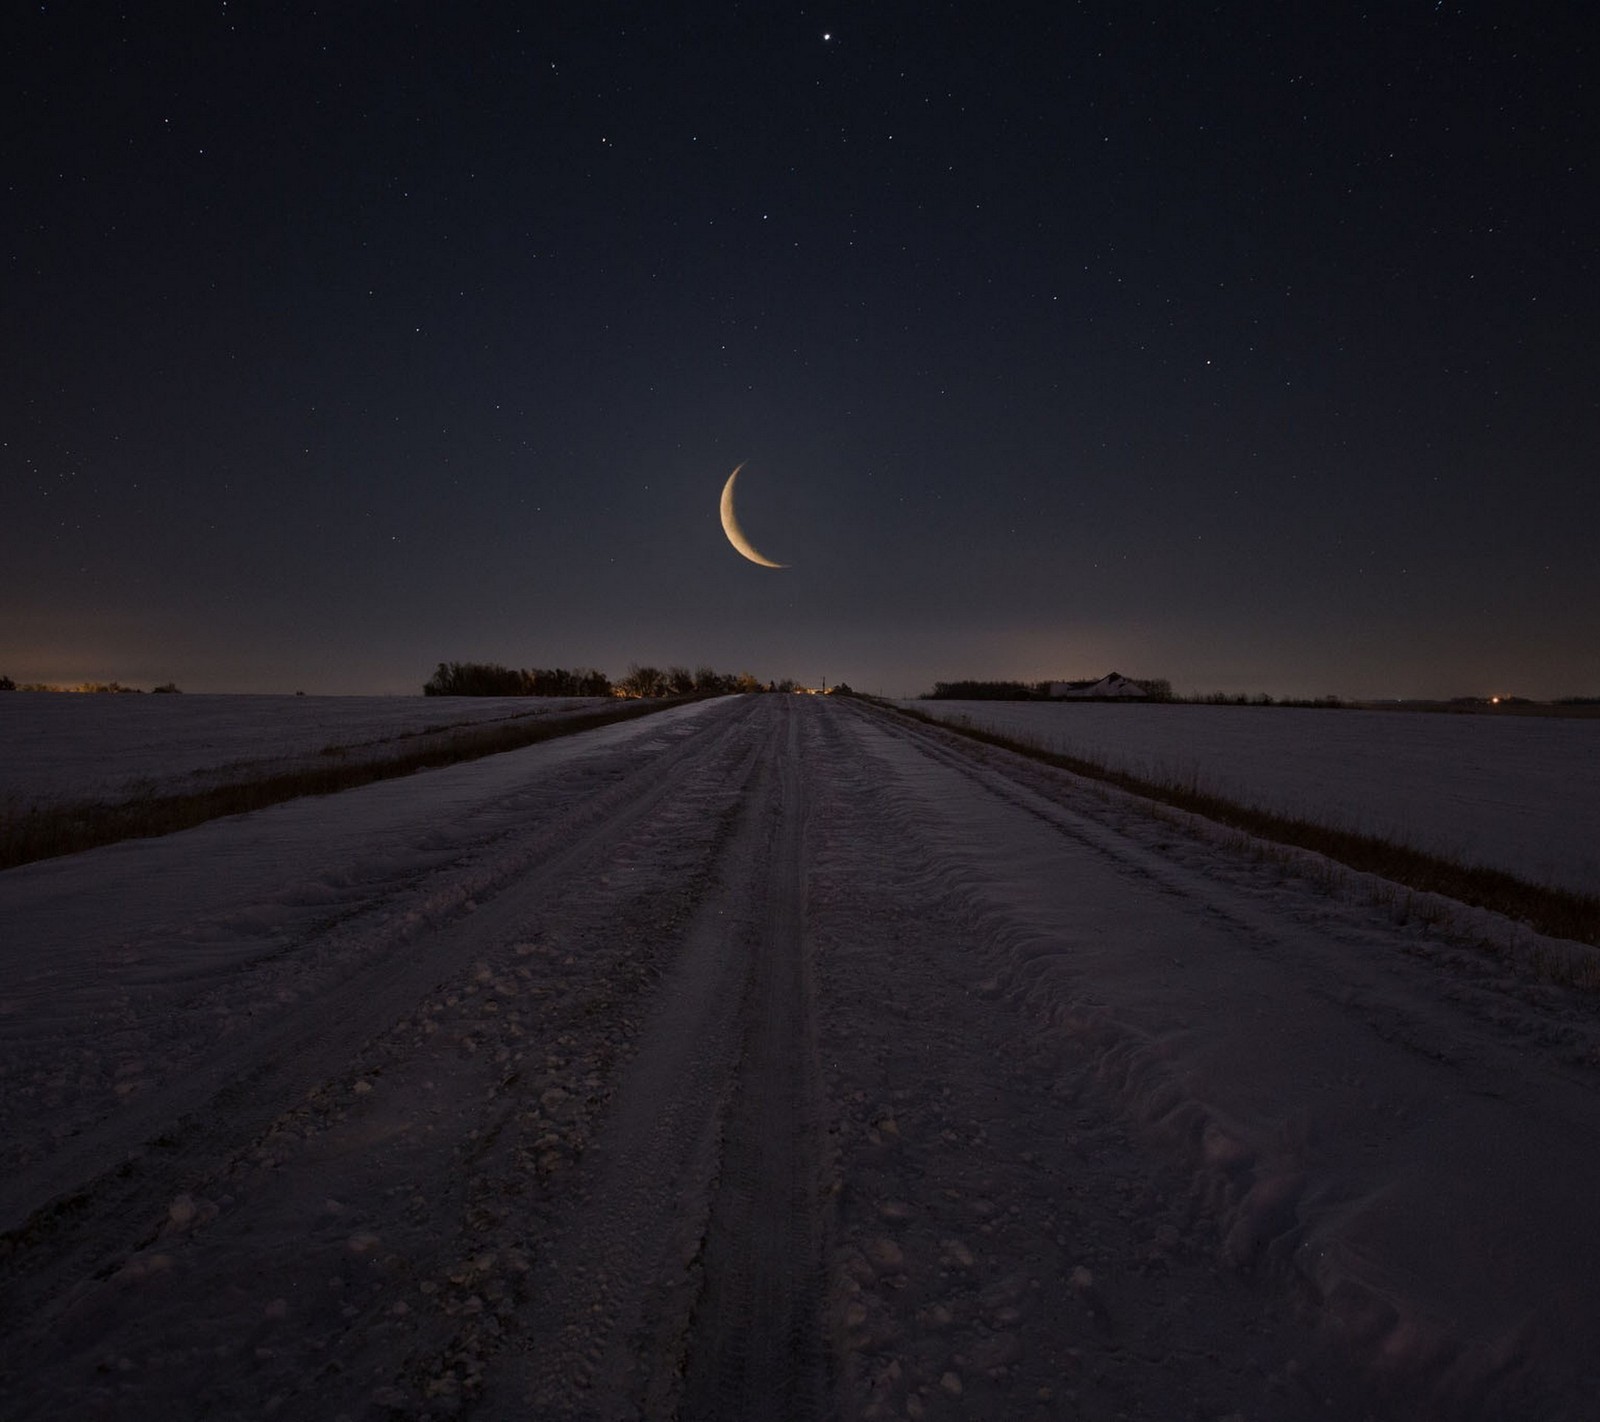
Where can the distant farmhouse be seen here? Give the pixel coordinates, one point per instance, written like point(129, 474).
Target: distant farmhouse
point(1111, 687)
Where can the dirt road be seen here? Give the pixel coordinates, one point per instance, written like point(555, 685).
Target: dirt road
point(773, 1058)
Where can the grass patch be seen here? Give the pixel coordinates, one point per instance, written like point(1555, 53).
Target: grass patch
point(1558, 913)
point(44, 833)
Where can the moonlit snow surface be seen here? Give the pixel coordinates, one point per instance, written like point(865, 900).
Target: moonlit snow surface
point(780, 1057)
point(69, 746)
point(1518, 793)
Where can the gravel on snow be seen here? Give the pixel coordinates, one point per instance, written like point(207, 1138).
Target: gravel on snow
point(773, 1057)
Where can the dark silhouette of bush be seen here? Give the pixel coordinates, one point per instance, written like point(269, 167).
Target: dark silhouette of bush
point(644, 681)
point(492, 679)
point(474, 679)
point(985, 691)
point(559, 681)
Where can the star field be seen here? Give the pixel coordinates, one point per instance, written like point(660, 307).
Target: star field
point(1248, 347)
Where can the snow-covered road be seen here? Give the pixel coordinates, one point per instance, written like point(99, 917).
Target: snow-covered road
point(773, 1057)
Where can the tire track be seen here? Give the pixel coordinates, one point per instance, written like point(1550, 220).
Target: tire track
point(574, 1151)
point(757, 1349)
point(686, 1277)
point(1240, 1025)
point(90, 1201)
point(619, 1268)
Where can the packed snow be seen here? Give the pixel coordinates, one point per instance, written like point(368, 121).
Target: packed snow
point(778, 1057)
point(1517, 793)
point(64, 747)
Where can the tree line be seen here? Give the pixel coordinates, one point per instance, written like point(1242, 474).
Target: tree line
point(492, 679)
point(110, 687)
point(1153, 689)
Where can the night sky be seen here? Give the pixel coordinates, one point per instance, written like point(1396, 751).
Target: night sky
point(1255, 346)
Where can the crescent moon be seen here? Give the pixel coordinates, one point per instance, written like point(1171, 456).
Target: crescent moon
point(730, 526)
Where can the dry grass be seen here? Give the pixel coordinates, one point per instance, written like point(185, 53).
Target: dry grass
point(43, 833)
point(1557, 913)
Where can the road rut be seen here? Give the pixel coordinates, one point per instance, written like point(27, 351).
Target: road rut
point(782, 1060)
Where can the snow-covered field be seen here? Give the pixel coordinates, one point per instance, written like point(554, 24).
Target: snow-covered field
point(775, 1057)
point(1520, 794)
point(60, 746)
